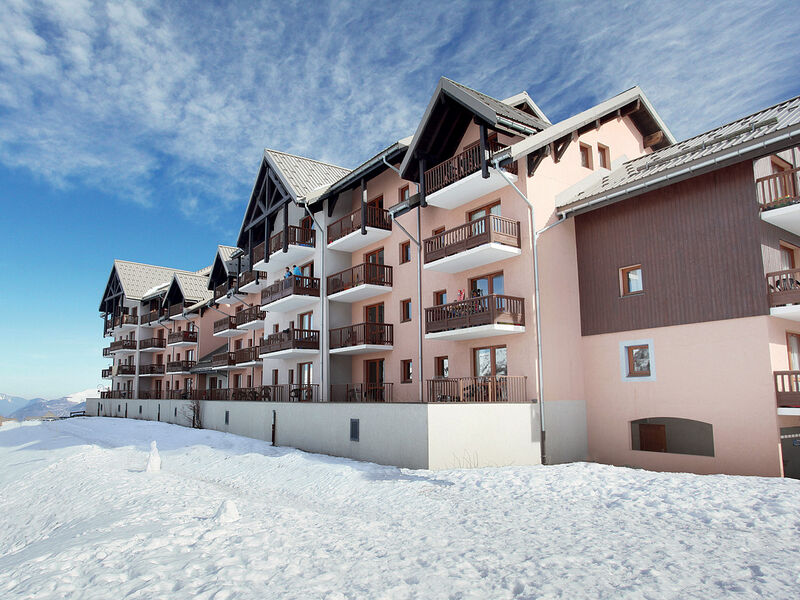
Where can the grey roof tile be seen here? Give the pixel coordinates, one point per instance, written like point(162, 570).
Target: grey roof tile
point(137, 279)
point(305, 174)
point(503, 109)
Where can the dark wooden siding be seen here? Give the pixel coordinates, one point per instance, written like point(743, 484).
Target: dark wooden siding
point(699, 244)
point(771, 238)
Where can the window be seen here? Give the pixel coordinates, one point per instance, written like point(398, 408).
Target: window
point(274, 376)
point(441, 368)
point(405, 252)
point(439, 297)
point(237, 381)
point(304, 372)
point(354, 432)
point(631, 280)
point(603, 156)
point(672, 435)
point(375, 257)
point(291, 375)
point(307, 223)
point(490, 361)
point(274, 328)
point(305, 320)
point(788, 253)
point(637, 361)
point(405, 310)
point(438, 230)
point(489, 209)
point(402, 194)
point(405, 371)
point(307, 270)
point(586, 156)
point(488, 284)
point(376, 203)
point(227, 417)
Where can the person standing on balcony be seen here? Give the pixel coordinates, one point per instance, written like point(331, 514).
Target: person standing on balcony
point(296, 271)
point(287, 274)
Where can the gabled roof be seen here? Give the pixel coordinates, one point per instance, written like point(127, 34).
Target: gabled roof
point(523, 99)
point(193, 287)
point(302, 175)
point(226, 252)
point(760, 133)
point(223, 265)
point(137, 278)
point(459, 104)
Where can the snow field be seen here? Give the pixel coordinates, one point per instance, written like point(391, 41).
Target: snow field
point(80, 517)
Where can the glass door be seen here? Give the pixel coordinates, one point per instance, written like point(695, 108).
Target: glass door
point(373, 376)
point(490, 367)
point(373, 332)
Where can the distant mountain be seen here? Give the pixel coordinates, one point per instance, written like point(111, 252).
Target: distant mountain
point(60, 406)
point(10, 404)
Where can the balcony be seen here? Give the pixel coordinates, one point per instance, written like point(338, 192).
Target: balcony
point(152, 345)
point(107, 351)
point(223, 361)
point(787, 392)
point(361, 392)
point(177, 339)
point(290, 293)
point(123, 370)
point(479, 317)
point(252, 282)
point(246, 357)
point(154, 370)
point(151, 318)
point(106, 373)
point(299, 243)
point(361, 282)
point(226, 327)
point(477, 389)
point(474, 244)
point(346, 234)
point(362, 338)
point(783, 288)
point(458, 180)
point(290, 343)
point(175, 313)
point(221, 294)
point(117, 394)
point(180, 366)
point(779, 199)
point(124, 322)
point(121, 347)
point(250, 318)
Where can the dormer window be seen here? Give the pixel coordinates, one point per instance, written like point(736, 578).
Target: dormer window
point(603, 156)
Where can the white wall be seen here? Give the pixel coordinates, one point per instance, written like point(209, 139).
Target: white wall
point(565, 431)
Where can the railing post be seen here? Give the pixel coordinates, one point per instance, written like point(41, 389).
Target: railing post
point(484, 153)
point(363, 206)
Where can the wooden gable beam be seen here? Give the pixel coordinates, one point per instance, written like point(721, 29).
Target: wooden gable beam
point(560, 146)
point(536, 158)
point(653, 139)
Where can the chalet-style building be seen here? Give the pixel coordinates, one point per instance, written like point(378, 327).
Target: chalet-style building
point(495, 289)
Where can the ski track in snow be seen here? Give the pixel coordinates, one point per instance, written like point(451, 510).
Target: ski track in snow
point(79, 518)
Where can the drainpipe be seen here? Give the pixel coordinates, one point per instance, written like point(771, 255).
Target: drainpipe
point(536, 302)
point(418, 244)
point(325, 358)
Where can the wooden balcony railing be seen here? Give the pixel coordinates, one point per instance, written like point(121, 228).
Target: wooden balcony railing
point(787, 388)
point(107, 351)
point(224, 359)
point(154, 369)
point(778, 189)
point(175, 309)
point(290, 339)
point(225, 324)
point(120, 320)
point(297, 236)
point(491, 228)
point(248, 315)
point(258, 252)
point(481, 310)
point(251, 276)
point(176, 337)
point(117, 394)
point(359, 275)
point(477, 389)
point(153, 343)
point(125, 369)
point(380, 334)
point(361, 392)
point(783, 287)
point(245, 355)
point(180, 366)
point(460, 166)
point(122, 345)
point(373, 217)
point(151, 317)
point(106, 373)
point(288, 286)
point(221, 290)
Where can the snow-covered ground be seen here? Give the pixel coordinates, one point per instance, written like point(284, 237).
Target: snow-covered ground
point(80, 518)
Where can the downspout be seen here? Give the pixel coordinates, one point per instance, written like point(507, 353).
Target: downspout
point(323, 284)
point(418, 244)
point(536, 302)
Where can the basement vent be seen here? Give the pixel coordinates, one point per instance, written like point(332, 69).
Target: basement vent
point(354, 430)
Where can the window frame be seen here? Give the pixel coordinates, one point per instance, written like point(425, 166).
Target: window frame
point(406, 302)
point(401, 193)
point(439, 297)
point(438, 366)
point(406, 371)
point(405, 252)
point(603, 156)
point(585, 151)
point(626, 349)
point(624, 286)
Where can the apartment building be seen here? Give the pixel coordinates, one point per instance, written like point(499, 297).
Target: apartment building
point(406, 289)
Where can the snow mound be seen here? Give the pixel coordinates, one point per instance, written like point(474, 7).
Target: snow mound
point(153, 460)
point(226, 513)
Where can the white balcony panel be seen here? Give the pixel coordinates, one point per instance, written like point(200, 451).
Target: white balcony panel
point(786, 217)
point(468, 189)
point(471, 333)
point(788, 412)
point(229, 333)
point(479, 256)
point(151, 349)
point(278, 261)
point(355, 240)
point(361, 349)
point(228, 300)
point(253, 287)
point(181, 344)
point(790, 311)
point(290, 353)
point(360, 292)
point(290, 303)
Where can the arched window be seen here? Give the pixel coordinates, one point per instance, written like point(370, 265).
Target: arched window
point(672, 435)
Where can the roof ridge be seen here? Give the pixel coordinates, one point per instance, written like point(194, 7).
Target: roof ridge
point(306, 158)
point(133, 262)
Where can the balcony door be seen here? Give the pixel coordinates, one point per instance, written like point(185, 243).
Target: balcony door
point(373, 315)
point(793, 346)
point(486, 285)
point(373, 380)
point(373, 273)
point(476, 217)
point(489, 362)
point(305, 320)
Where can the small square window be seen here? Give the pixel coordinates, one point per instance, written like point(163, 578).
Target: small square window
point(440, 297)
point(442, 366)
point(638, 360)
point(405, 252)
point(354, 430)
point(403, 194)
point(586, 156)
point(405, 371)
point(405, 310)
point(227, 417)
point(603, 156)
point(631, 280)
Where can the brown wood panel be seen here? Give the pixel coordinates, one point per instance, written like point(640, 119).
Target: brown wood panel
point(699, 244)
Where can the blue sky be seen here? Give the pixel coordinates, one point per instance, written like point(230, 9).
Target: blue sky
point(134, 130)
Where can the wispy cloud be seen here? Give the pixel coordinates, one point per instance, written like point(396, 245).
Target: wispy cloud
point(173, 104)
